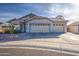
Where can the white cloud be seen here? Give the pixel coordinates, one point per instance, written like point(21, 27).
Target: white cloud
point(7, 16)
point(70, 12)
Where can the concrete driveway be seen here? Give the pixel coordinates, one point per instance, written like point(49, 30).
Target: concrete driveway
point(62, 43)
point(70, 37)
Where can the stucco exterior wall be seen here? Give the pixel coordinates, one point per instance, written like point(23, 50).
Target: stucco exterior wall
point(73, 29)
point(1, 29)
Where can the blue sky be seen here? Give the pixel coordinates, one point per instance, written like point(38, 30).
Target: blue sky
point(12, 10)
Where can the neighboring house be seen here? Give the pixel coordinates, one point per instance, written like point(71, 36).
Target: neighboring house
point(4, 27)
point(32, 23)
point(74, 27)
point(0, 27)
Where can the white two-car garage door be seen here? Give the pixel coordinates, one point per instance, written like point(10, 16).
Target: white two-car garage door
point(39, 28)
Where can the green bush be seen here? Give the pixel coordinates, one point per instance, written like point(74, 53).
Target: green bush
point(17, 31)
point(11, 30)
point(7, 31)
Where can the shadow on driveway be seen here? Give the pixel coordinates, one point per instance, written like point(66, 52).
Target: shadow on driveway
point(27, 36)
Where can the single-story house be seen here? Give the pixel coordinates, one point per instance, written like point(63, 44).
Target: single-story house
point(33, 23)
point(74, 27)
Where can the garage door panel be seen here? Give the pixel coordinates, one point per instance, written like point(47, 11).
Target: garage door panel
point(39, 28)
point(58, 29)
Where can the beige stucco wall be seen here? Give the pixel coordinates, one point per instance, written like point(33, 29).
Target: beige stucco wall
point(73, 29)
point(1, 29)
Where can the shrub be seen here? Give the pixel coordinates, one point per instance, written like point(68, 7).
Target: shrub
point(7, 31)
point(11, 30)
point(17, 31)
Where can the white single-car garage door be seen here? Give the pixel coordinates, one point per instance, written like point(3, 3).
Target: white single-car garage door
point(58, 28)
point(39, 28)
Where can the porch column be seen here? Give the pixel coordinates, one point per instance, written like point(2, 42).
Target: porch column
point(21, 27)
point(24, 27)
point(78, 28)
point(65, 27)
